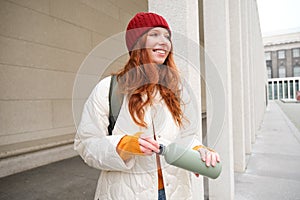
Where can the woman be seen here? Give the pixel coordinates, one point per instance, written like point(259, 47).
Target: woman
point(150, 81)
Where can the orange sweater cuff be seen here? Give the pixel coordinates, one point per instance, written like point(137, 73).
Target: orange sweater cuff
point(129, 146)
point(201, 146)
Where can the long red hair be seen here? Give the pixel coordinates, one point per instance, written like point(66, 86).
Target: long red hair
point(140, 79)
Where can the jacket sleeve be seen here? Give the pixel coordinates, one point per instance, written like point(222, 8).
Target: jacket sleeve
point(92, 142)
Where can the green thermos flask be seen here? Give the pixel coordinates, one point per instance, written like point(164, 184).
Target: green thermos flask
point(188, 159)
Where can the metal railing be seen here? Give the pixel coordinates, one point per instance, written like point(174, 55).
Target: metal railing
point(283, 88)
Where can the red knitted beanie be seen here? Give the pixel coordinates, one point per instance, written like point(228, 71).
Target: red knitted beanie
point(140, 24)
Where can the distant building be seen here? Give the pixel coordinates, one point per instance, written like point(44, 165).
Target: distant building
point(282, 55)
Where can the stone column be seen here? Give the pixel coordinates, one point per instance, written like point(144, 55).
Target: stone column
point(183, 19)
point(218, 78)
point(260, 70)
point(252, 77)
point(237, 86)
point(246, 78)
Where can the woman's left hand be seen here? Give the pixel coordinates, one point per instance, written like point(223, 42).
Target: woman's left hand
point(209, 156)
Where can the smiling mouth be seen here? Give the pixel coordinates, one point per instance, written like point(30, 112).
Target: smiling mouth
point(160, 51)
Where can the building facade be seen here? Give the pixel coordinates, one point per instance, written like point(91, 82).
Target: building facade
point(282, 55)
point(43, 46)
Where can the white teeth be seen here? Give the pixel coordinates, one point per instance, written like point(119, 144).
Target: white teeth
point(160, 51)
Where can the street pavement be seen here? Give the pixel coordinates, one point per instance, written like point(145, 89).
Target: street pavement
point(70, 179)
point(273, 168)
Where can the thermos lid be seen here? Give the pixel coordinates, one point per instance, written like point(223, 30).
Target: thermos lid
point(161, 149)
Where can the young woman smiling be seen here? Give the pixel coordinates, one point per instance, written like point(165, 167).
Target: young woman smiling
point(150, 82)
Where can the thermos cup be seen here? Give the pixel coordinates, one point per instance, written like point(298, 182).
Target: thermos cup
point(189, 159)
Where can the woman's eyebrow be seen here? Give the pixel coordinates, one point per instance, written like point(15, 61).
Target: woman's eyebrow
point(154, 30)
point(160, 31)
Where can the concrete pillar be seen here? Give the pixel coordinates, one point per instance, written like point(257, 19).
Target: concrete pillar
point(237, 86)
point(218, 75)
point(260, 70)
point(252, 77)
point(183, 19)
point(246, 66)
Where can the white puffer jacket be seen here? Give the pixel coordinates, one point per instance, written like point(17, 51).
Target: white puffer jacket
point(137, 178)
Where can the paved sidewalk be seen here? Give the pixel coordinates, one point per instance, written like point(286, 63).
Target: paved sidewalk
point(273, 170)
point(70, 179)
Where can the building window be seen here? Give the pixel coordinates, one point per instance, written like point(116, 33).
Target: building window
point(281, 54)
point(296, 71)
point(281, 71)
point(269, 72)
point(296, 53)
point(267, 55)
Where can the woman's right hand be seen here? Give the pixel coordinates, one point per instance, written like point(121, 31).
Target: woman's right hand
point(137, 144)
point(148, 145)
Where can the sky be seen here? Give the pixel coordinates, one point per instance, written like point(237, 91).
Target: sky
point(279, 16)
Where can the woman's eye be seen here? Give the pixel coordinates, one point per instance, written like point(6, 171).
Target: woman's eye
point(153, 34)
point(168, 37)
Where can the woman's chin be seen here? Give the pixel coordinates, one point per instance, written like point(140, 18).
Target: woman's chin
point(159, 61)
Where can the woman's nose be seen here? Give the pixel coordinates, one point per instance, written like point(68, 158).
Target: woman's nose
point(163, 39)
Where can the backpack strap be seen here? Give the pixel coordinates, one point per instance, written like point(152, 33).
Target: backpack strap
point(115, 102)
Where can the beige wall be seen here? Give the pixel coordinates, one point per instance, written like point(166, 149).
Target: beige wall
point(42, 44)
